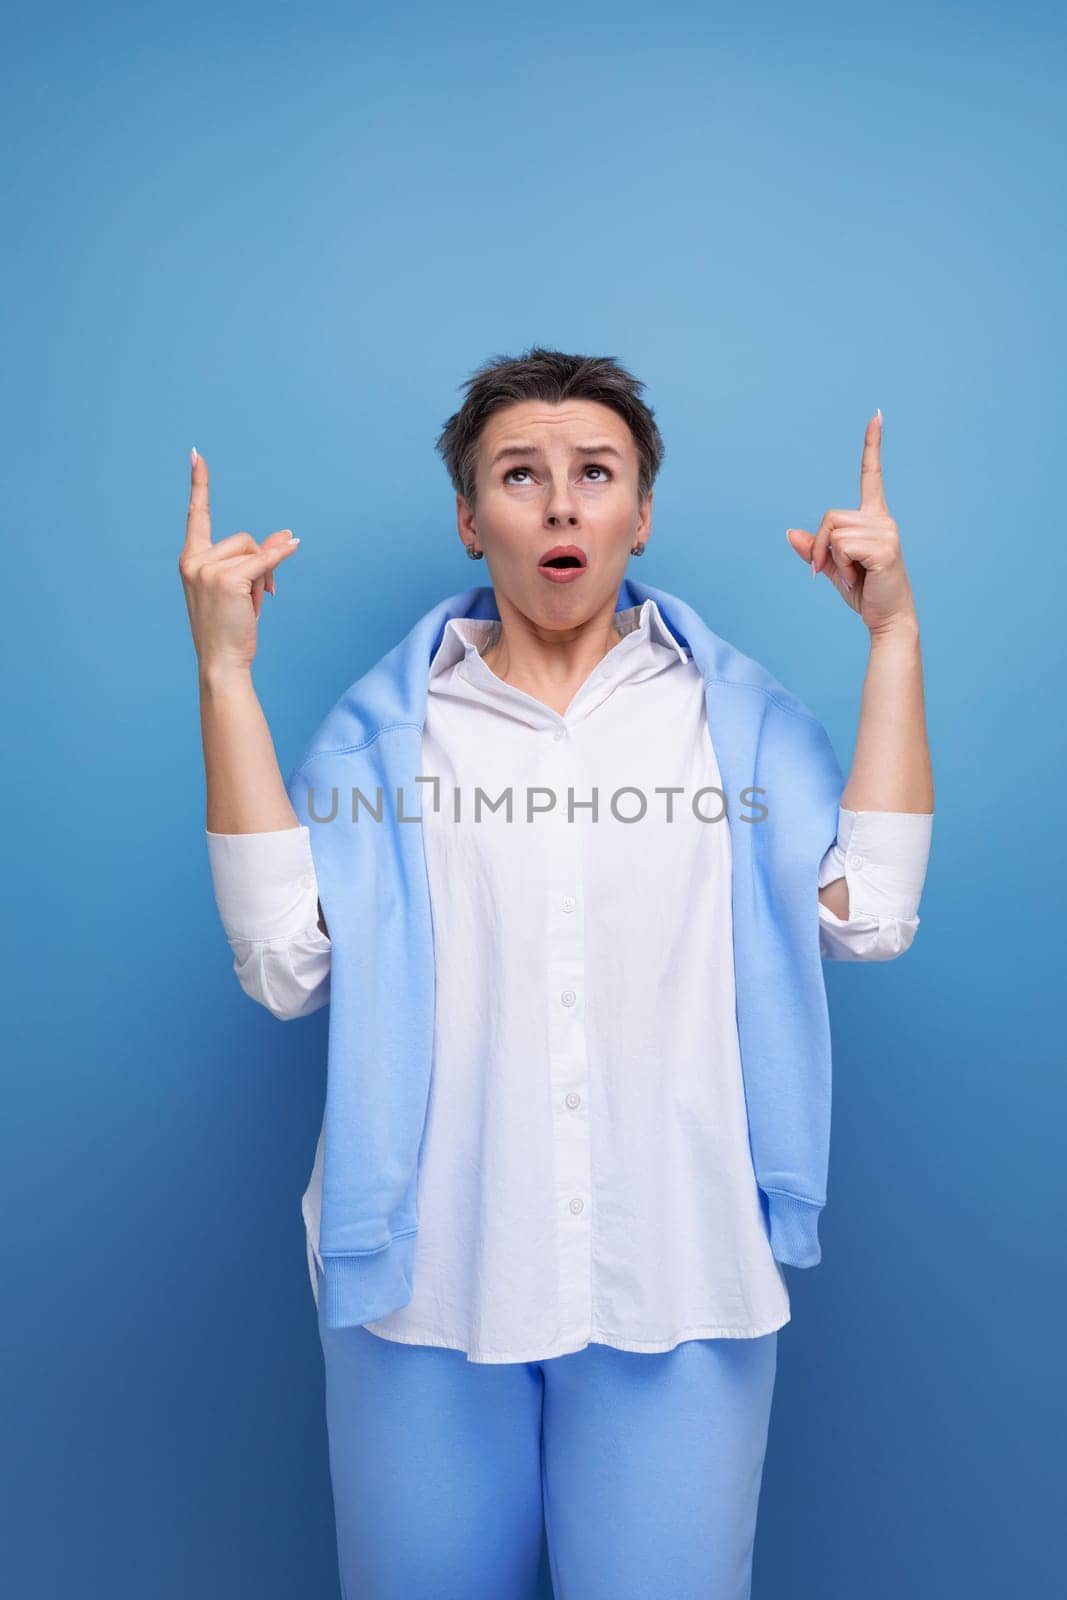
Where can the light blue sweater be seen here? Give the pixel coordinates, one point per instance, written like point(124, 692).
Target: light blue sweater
point(363, 764)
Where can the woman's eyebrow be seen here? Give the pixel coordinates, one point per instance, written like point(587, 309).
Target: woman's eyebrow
point(535, 450)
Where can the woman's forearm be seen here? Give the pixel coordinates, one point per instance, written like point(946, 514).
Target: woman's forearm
point(891, 769)
point(246, 792)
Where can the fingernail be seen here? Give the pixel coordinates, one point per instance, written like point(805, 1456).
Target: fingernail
point(192, 455)
point(813, 571)
point(290, 541)
point(881, 422)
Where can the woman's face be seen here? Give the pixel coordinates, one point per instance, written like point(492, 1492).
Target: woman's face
point(551, 475)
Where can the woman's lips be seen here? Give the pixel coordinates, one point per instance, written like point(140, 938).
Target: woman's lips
point(562, 574)
point(563, 563)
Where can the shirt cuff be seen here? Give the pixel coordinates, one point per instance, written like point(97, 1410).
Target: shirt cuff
point(882, 855)
point(265, 883)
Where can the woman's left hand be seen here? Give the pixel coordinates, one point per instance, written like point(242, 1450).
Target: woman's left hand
point(859, 551)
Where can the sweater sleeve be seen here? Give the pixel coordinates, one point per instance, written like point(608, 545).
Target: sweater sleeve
point(267, 897)
point(882, 855)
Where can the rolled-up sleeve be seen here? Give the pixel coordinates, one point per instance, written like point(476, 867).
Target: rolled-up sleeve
point(882, 856)
point(267, 897)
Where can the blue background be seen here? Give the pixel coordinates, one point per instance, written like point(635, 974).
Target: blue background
point(286, 234)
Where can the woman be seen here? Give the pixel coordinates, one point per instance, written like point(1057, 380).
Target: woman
point(577, 1110)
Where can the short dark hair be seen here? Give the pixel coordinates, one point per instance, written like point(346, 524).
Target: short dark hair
point(540, 374)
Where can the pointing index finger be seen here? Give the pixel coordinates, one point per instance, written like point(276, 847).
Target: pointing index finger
point(198, 522)
point(872, 490)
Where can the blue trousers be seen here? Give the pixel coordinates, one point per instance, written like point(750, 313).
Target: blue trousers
point(643, 1470)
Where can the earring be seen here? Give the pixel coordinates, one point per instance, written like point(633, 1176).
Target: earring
point(637, 549)
point(475, 555)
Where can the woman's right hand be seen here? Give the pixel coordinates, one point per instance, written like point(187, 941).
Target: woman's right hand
point(225, 582)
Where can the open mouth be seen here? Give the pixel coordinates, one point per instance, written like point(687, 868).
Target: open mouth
point(562, 557)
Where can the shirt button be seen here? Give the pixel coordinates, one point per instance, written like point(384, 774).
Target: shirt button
point(855, 861)
point(567, 997)
point(305, 882)
point(558, 734)
point(576, 1205)
point(568, 902)
point(574, 1099)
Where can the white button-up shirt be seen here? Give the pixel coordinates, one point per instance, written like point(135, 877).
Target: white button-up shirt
point(585, 1172)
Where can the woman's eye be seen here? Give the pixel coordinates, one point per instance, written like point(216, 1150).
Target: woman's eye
point(594, 466)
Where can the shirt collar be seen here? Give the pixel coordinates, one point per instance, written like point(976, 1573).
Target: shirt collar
point(646, 641)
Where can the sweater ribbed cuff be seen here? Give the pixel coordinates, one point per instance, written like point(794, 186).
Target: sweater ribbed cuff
point(362, 1287)
point(794, 1229)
